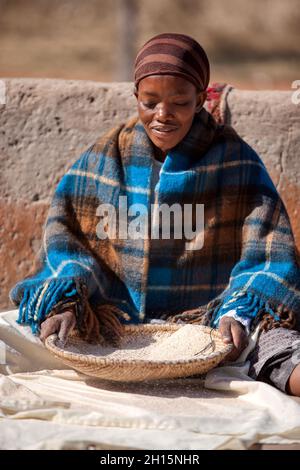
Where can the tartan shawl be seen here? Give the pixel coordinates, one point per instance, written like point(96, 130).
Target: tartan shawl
point(248, 261)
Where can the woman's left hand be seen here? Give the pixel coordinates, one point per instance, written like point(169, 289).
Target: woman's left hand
point(233, 331)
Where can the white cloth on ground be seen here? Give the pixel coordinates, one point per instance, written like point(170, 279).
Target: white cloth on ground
point(46, 405)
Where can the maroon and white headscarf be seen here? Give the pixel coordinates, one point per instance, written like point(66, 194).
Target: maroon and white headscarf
point(173, 54)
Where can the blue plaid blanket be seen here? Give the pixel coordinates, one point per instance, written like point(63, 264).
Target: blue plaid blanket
point(247, 262)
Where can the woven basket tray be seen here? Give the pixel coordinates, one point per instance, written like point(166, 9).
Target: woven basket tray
point(146, 352)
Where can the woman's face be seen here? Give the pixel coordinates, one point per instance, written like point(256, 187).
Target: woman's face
point(167, 105)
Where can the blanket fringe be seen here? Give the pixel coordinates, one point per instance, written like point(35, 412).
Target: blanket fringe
point(247, 304)
point(39, 302)
point(94, 323)
point(287, 319)
point(201, 315)
point(99, 323)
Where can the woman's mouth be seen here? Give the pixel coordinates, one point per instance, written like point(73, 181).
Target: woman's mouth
point(163, 131)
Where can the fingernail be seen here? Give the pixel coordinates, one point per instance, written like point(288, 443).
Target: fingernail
point(227, 339)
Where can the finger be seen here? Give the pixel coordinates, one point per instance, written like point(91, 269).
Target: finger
point(66, 327)
point(240, 339)
point(225, 330)
point(48, 327)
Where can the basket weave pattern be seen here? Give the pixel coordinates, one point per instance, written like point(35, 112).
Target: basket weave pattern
point(130, 363)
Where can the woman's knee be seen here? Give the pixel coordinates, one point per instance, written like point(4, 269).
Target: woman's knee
point(293, 384)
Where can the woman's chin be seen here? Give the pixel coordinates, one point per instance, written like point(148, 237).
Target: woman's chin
point(163, 146)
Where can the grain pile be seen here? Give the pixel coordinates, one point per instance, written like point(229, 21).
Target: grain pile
point(189, 341)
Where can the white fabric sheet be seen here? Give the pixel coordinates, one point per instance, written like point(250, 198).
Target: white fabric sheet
point(46, 405)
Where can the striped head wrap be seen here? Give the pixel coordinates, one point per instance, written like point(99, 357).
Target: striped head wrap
point(173, 54)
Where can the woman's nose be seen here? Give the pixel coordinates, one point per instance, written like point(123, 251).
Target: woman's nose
point(163, 111)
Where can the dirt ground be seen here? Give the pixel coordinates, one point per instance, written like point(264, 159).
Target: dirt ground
point(252, 45)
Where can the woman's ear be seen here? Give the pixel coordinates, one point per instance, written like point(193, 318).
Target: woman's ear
point(135, 92)
point(201, 98)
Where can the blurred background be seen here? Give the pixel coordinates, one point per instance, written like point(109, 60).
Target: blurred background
point(251, 44)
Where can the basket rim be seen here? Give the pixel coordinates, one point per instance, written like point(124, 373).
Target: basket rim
point(84, 359)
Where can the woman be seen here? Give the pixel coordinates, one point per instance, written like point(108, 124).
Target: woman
point(97, 271)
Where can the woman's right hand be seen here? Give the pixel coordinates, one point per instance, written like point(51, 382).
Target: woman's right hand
point(60, 323)
point(232, 331)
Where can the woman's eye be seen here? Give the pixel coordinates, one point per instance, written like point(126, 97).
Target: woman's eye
point(152, 105)
point(149, 105)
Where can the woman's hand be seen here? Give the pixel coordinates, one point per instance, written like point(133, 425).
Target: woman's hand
point(61, 323)
point(233, 331)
